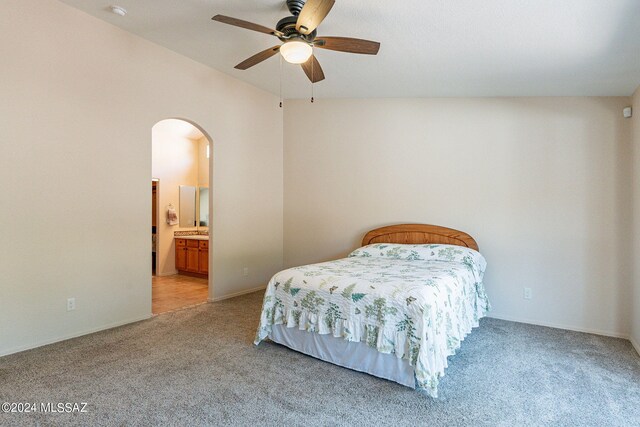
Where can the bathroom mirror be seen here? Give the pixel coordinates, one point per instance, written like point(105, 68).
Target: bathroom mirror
point(187, 206)
point(203, 215)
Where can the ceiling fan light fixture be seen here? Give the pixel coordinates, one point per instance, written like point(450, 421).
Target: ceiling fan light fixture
point(296, 51)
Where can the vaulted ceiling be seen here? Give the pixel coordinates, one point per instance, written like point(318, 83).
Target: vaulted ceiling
point(429, 47)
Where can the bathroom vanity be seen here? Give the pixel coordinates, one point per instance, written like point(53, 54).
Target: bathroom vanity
point(192, 255)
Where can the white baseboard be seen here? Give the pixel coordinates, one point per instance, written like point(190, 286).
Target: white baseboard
point(237, 294)
point(561, 326)
point(71, 336)
point(635, 345)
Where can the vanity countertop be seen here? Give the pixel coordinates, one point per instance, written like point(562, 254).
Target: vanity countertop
point(193, 237)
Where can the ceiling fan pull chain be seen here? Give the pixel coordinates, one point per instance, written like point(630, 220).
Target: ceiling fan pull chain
point(312, 75)
point(280, 81)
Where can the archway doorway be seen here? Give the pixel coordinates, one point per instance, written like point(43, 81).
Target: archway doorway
point(181, 217)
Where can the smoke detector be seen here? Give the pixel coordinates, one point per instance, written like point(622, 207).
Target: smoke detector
point(121, 11)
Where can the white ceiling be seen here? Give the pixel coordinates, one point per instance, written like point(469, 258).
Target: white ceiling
point(429, 47)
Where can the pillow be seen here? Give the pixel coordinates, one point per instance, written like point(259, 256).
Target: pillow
point(431, 252)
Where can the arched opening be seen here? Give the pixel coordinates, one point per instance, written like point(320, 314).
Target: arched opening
point(180, 215)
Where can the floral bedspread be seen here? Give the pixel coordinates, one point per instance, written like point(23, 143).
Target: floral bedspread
point(415, 301)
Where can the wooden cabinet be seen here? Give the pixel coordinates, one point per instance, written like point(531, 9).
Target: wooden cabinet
point(203, 257)
point(181, 254)
point(192, 256)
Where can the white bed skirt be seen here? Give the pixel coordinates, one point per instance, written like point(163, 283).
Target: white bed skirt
point(353, 355)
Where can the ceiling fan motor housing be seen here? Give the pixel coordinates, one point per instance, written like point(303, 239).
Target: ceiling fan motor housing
point(287, 26)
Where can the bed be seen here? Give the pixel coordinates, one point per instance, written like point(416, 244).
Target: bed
point(395, 308)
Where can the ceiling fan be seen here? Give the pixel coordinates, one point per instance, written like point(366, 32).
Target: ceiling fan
point(299, 36)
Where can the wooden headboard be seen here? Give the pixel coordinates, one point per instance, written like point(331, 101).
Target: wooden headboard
point(419, 234)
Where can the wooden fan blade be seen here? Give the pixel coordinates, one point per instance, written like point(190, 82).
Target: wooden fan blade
point(245, 24)
point(346, 44)
point(313, 70)
point(258, 58)
point(312, 14)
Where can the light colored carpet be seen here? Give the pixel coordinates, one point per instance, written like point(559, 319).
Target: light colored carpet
point(199, 367)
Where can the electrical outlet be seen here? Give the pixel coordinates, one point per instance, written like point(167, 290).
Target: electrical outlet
point(245, 271)
point(527, 293)
point(71, 304)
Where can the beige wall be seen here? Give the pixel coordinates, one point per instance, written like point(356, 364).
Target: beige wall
point(79, 100)
point(175, 162)
point(635, 310)
point(542, 183)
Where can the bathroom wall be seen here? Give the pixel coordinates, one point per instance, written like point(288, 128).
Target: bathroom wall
point(203, 162)
point(203, 181)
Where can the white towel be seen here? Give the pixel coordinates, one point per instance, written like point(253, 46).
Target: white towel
point(172, 216)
